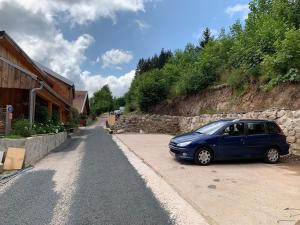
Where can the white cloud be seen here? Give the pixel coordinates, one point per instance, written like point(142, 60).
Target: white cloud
point(34, 26)
point(142, 25)
point(79, 11)
point(239, 9)
point(118, 85)
point(115, 57)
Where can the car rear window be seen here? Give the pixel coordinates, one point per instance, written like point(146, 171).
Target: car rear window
point(255, 128)
point(273, 128)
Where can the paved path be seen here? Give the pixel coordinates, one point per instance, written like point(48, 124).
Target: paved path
point(86, 181)
point(226, 193)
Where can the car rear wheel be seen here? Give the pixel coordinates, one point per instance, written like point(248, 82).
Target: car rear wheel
point(272, 155)
point(203, 157)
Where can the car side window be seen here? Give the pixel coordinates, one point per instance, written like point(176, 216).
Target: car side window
point(273, 128)
point(255, 128)
point(235, 129)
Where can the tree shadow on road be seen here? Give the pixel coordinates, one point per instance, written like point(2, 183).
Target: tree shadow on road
point(110, 191)
point(72, 142)
point(31, 199)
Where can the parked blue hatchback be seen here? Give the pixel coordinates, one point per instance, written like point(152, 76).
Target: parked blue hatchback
point(231, 139)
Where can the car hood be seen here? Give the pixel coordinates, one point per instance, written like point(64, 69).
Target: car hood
point(192, 136)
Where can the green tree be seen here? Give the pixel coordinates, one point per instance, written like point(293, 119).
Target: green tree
point(118, 102)
point(206, 37)
point(151, 90)
point(102, 101)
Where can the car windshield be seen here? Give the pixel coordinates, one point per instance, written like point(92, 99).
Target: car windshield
point(211, 128)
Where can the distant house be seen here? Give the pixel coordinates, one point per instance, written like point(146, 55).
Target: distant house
point(26, 84)
point(81, 103)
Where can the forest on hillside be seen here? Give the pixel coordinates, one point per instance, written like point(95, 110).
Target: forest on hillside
point(264, 51)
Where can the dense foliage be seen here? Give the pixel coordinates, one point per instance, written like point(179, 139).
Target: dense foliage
point(264, 51)
point(102, 101)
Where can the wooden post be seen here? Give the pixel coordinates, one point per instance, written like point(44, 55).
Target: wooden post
point(8, 121)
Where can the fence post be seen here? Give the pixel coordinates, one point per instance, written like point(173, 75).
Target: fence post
point(7, 121)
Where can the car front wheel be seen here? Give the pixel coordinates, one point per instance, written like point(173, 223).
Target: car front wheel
point(203, 157)
point(272, 155)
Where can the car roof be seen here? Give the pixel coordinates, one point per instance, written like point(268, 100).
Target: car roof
point(245, 120)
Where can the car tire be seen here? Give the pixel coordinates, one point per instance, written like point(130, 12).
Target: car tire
point(203, 156)
point(272, 155)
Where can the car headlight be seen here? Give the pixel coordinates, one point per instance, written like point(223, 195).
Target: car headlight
point(183, 144)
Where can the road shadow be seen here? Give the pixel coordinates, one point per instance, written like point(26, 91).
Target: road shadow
point(30, 200)
point(73, 141)
point(110, 191)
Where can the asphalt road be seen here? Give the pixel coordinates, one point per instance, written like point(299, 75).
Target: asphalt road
point(106, 188)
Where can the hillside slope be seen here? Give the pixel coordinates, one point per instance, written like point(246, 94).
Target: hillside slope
point(223, 99)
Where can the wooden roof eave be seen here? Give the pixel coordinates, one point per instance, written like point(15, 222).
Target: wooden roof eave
point(34, 77)
point(26, 72)
point(6, 37)
point(51, 91)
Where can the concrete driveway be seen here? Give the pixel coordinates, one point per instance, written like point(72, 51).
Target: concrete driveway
point(227, 192)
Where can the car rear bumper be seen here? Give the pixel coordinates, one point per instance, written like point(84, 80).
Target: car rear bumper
point(284, 149)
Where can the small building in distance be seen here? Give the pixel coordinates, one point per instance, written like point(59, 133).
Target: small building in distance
point(82, 104)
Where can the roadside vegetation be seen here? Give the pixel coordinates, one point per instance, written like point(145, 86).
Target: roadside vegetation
point(263, 51)
point(103, 101)
point(44, 124)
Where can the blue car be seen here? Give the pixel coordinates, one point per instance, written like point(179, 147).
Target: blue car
point(231, 139)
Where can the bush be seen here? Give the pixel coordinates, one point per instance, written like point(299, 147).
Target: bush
point(292, 76)
point(49, 127)
point(236, 78)
point(22, 128)
point(193, 83)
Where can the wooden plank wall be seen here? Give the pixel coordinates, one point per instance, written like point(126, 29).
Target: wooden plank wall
point(18, 98)
point(63, 90)
point(11, 77)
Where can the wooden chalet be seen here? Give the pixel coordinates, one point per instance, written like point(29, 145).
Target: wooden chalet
point(19, 75)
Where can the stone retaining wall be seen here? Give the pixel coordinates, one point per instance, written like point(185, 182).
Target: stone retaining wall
point(289, 121)
point(148, 124)
point(36, 147)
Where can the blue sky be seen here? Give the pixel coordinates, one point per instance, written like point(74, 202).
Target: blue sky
point(97, 42)
point(169, 24)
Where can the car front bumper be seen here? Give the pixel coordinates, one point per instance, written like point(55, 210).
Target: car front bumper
point(181, 153)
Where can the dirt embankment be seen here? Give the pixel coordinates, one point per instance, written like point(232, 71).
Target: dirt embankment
point(223, 99)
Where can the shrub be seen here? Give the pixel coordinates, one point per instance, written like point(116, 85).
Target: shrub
point(236, 78)
point(21, 127)
point(49, 127)
point(194, 82)
point(292, 76)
